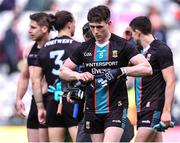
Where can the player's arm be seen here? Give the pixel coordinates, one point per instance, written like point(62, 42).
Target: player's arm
point(67, 72)
point(37, 91)
point(169, 77)
point(22, 88)
point(140, 66)
point(36, 86)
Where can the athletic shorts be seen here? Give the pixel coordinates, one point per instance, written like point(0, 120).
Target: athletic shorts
point(32, 120)
point(148, 118)
point(127, 136)
point(66, 119)
point(97, 123)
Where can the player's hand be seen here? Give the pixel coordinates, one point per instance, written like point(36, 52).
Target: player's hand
point(161, 127)
point(166, 118)
point(165, 122)
point(42, 115)
point(85, 76)
point(20, 108)
point(110, 75)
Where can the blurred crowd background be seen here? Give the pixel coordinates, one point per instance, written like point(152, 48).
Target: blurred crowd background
point(14, 17)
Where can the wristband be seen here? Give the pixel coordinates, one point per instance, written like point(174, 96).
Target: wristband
point(123, 70)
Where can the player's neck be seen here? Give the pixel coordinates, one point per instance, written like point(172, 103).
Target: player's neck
point(106, 39)
point(41, 43)
point(64, 33)
point(146, 40)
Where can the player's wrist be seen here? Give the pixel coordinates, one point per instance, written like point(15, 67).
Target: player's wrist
point(39, 104)
point(77, 75)
point(123, 71)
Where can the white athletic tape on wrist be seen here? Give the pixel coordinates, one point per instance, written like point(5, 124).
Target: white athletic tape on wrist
point(123, 69)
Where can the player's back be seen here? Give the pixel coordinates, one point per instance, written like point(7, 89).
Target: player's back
point(53, 54)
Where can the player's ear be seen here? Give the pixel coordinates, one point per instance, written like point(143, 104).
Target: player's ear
point(69, 25)
point(44, 29)
point(137, 31)
point(109, 22)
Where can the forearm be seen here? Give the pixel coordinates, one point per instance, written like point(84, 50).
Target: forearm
point(68, 74)
point(169, 95)
point(22, 88)
point(37, 92)
point(139, 70)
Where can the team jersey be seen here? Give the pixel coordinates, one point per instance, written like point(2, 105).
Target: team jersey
point(97, 59)
point(150, 90)
point(52, 55)
point(33, 55)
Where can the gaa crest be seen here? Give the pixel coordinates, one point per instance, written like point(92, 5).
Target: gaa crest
point(114, 53)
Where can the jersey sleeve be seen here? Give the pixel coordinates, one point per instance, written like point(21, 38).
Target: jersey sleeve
point(76, 56)
point(39, 60)
point(165, 57)
point(130, 51)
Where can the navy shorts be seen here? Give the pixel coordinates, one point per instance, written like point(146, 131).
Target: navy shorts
point(148, 118)
point(82, 136)
point(97, 123)
point(32, 120)
point(66, 119)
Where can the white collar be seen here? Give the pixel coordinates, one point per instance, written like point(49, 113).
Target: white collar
point(102, 45)
point(146, 49)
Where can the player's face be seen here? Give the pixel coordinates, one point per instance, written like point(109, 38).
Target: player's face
point(136, 35)
point(35, 31)
point(100, 30)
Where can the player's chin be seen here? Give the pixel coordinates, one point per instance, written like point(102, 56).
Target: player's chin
point(98, 38)
point(32, 38)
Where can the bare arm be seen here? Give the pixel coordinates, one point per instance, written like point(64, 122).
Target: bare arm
point(169, 77)
point(67, 73)
point(22, 87)
point(23, 81)
point(37, 76)
point(36, 86)
point(141, 66)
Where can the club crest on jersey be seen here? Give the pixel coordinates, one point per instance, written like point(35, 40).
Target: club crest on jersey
point(114, 53)
point(87, 124)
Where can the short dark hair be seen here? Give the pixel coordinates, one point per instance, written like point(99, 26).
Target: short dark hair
point(61, 18)
point(87, 31)
point(98, 14)
point(142, 23)
point(42, 19)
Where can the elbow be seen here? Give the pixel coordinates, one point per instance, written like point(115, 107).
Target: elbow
point(34, 82)
point(148, 70)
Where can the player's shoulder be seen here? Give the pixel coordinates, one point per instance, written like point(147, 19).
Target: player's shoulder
point(117, 38)
point(28, 50)
point(88, 43)
point(160, 46)
point(119, 41)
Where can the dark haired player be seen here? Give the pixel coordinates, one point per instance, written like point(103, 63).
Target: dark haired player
point(49, 61)
point(154, 94)
point(105, 56)
point(39, 29)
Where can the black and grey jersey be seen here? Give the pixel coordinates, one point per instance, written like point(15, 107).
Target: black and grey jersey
point(150, 90)
point(32, 57)
point(97, 59)
point(53, 54)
